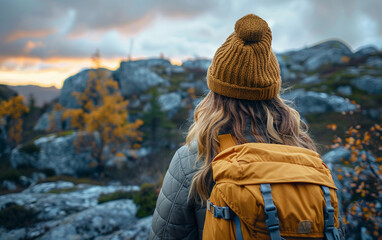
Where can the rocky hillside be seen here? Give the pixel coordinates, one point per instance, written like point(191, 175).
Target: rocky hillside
point(329, 84)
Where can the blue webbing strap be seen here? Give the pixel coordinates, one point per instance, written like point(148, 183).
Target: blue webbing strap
point(270, 212)
point(331, 232)
point(227, 214)
point(239, 234)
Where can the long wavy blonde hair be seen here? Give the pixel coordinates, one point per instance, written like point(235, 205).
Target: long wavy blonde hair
point(270, 121)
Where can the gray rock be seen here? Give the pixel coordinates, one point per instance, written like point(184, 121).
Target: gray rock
point(170, 103)
point(335, 156)
point(99, 220)
point(140, 231)
point(44, 122)
point(369, 84)
point(374, 62)
point(314, 102)
point(57, 153)
point(174, 69)
point(52, 206)
point(135, 78)
point(202, 64)
point(327, 57)
point(46, 187)
point(314, 79)
point(353, 70)
point(365, 52)
point(10, 185)
point(344, 90)
point(76, 83)
point(313, 58)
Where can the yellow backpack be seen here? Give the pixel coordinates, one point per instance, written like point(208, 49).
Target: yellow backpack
point(265, 191)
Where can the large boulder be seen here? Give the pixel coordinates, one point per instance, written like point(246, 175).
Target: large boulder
point(369, 84)
point(58, 153)
point(76, 83)
point(318, 102)
point(312, 58)
point(136, 77)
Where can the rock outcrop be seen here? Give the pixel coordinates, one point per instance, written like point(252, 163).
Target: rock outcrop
point(314, 102)
point(369, 84)
point(76, 83)
point(75, 213)
point(136, 77)
point(57, 152)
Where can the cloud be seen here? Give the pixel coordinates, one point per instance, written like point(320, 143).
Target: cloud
point(47, 29)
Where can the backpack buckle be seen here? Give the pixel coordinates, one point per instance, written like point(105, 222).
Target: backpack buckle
point(271, 218)
point(220, 212)
point(329, 218)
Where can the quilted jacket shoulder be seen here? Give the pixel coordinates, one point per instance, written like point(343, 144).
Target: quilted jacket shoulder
point(175, 216)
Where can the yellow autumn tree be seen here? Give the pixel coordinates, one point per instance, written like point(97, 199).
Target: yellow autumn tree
point(103, 110)
point(360, 176)
point(11, 112)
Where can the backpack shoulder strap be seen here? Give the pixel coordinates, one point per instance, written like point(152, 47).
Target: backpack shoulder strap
point(226, 141)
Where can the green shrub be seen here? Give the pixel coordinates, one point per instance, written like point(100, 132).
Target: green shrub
point(30, 148)
point(14, 216)
point(10, 174)
point(115, 196)
point(62, 190)
point(146, 199)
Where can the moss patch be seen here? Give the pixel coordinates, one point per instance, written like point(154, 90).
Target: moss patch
point(62, 190)
point(115, 196)
point(65, 133)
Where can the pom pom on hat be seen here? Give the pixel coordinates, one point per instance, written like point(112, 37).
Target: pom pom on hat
point(251, 28)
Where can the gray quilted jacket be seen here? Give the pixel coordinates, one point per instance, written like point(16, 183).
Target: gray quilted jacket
point(174, 216)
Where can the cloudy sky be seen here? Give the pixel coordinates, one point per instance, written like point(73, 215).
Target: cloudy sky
point(45, 41)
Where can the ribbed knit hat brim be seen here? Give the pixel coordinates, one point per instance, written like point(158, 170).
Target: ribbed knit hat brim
point(245, 67)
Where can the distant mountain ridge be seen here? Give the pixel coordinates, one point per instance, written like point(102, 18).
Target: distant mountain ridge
point(41, 95)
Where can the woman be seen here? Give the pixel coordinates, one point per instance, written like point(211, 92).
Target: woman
point(244, 79)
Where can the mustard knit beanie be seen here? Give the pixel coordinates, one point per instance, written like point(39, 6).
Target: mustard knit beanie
point(245, 67)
